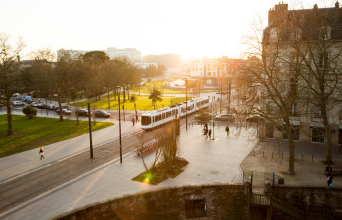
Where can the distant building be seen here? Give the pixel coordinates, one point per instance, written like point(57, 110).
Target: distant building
point(209, 70)
point(171, 60)
point(74, 54)
point(132, 53)
point(145, 65)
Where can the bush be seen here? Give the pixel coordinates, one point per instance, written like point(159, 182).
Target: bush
point(29, 111)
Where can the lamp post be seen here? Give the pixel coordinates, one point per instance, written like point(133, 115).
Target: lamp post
point(221, 93)
point(186, 103)
point(118, 87)
point(90, 137)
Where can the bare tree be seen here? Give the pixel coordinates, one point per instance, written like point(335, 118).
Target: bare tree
point(12, 79)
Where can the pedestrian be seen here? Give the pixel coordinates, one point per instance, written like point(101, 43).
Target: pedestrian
point(137, 118)
point(133, 120)
point(328, 169)
point(227, 130)
point(330, 180)
point(206, 133)
point(41, 152)
point(209, 133)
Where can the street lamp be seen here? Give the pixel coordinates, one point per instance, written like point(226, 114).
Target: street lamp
point(221, 92)
point(186, 103)
point(118, 87)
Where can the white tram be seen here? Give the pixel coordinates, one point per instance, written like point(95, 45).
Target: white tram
point(162, 116)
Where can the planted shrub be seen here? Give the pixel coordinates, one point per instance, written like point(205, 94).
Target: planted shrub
point(29, 111)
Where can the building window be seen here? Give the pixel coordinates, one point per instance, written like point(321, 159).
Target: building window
point(325, 33)
point(214, 74)
point(323, 60)
point(318, 135)
point(214, 65)
point(209, 69)
point(318, 112)
point(209, 65)
point(193, 69)
point(200, 69)
point(196, 69)
point(209, 73)
point(201, 73)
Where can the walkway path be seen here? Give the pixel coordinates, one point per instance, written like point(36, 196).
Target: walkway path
point(210, 161)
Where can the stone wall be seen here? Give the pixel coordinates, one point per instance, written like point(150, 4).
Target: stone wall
point(223, 201)
point(327, 197)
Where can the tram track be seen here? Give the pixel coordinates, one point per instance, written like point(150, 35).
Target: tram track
point(26, 187)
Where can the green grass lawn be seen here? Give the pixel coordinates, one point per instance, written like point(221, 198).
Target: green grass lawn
point(160, 85)
point(39, 131)
point(143, 103)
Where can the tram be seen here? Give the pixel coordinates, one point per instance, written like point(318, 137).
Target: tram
point(156, 118)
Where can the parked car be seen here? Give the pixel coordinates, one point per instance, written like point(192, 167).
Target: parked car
point(15, 95)
point(82, 112)
point(17, 103)
point(63, 107)
point(255, 118)
point(203, 117)
point(29, 101)
point(65, 111)
point(34, 104)
point(41, 106)
point(26, 98)
point(18, 98)
point(102, 114)
point(228, 117)
point(50, 107)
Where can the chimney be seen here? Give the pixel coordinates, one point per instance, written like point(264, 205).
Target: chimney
point(337, 4)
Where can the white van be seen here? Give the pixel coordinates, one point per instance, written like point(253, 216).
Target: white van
point(17, 103)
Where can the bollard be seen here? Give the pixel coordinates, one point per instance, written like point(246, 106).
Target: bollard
point(302, 157)
point(254, 152)
point(263, 154)
point(272, 154)
point(312, 159)
point(282, 155)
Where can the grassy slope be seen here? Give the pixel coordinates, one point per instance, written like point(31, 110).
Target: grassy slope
point(143, 103)
point(37, 132)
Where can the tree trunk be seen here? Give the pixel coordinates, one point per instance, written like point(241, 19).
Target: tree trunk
point(292, 154)
point(328, 158)
point(108, 101)
point(60, 108)
point(9, 115)
point(128, 93)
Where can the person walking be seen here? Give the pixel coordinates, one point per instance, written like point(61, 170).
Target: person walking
point(209, 133)
point(41, 152)
point(227, 130)
point(329, 181)
point(133, 120)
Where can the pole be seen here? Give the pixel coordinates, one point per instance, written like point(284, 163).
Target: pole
point(91, 141)
point(213, 128)
point(221, 95)
point(230, 89)
point(120, 128)
point(186, 104)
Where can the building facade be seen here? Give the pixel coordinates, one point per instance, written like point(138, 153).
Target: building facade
point(132, 53)
point(303, 48)
point(210, 70)
point(171, 60)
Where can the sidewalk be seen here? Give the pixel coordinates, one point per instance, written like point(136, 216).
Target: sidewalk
point(210, 161)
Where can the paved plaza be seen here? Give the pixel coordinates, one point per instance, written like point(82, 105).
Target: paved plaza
point(210, 161)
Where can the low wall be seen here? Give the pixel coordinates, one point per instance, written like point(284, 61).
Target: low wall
point(222, 201)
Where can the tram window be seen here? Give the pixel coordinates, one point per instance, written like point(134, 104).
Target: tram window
point(176, 111)
point(168, 114)
point(157, 118)
point(163, 115)
point(145, 120)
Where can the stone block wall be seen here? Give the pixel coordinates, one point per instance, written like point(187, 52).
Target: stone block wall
point(223, 201)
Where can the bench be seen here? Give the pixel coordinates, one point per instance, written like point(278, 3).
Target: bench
point(146, 150)
point(335, 171)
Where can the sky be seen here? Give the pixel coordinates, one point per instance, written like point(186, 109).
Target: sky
point(192, 28)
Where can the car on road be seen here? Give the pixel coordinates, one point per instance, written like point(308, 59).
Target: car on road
point(65, 111)
point(15, 103)
point(41, 106)
point(228, 117)
point(18, 98)
point(255, 118)
point(203, 117)
point(15, 95)
point(82, 112)
point(102, 114)
point(50, 107)
point(26, 98)
point(34, 104)
point(63, 107)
